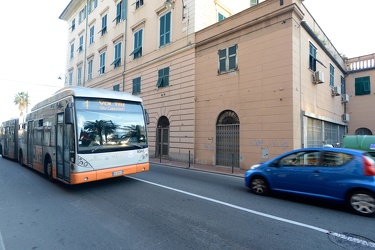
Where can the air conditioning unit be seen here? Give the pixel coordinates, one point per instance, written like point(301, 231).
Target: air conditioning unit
point(345, 117)
point(318, 77)
point(345, 98)
point(336, 91)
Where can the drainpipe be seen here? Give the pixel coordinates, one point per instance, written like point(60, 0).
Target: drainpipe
point(84, 59)
point(125, 39)
point(300, 88)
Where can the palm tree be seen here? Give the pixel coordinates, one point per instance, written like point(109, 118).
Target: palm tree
point(22, 100)
point(98, 128)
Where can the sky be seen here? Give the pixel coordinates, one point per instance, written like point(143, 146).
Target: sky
point(34, 42)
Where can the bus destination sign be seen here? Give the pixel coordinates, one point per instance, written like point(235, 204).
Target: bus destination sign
point(104, 105)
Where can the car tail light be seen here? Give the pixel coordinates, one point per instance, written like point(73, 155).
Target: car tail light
point(369, 166)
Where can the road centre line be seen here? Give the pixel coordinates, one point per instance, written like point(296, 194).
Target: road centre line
point(351, 239)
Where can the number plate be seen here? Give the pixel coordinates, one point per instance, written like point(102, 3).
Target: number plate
point(117, 173)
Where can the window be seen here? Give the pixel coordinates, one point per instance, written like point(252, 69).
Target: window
point(120, 11)
point(82, 15)
point(92, 34)
point(300, 159)
point(71, 50)
point(320, 133)
point(335, 159)
point(163, 79)
point(363, 131)
point(80, 47)
point(136, 86)
point(331, 75)
point(79, 75)
point(73, 25)
point(92, 5)
point(70, 79)
point(228, 59)
point(89, 72)
point(104, 25)
point(312, 57)
point(102, 63)
point(137, 52)
point(362, 86)
point(220, 17)
point(117, 61)
point(253, 2)
point(138, 3)
point(165, 29)
point(116, 87)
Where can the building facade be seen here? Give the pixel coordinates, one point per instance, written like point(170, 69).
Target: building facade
point(266, 84)
point(361, 70)
point(221, 88)
point(146, 48)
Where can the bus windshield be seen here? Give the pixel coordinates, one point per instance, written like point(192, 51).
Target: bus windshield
point(109, 125)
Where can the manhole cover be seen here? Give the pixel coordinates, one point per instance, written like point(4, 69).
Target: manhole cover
point(352, 241)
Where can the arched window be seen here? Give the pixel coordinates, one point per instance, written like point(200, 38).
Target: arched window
point(363, 131)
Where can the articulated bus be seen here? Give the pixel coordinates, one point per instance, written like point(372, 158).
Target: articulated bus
point(9, 139)
point(83, 134)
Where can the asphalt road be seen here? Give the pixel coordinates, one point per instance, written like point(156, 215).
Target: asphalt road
point(167, 208)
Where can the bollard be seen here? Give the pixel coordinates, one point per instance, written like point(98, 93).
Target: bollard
point(189, 159)
point(232, 163)
point(160, 152)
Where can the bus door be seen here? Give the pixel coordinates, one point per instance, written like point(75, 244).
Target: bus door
point(6, 142)
point(64, 142)
point(30, 143)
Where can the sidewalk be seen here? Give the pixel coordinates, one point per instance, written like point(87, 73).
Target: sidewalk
point(200, 167)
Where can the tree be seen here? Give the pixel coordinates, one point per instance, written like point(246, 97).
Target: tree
point(98, 128)
point(22, 100)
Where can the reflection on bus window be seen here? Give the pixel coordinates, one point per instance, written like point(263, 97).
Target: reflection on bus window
point(100, 130)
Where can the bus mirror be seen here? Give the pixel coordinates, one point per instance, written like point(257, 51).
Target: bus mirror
point(147, 118)
point(68, 114)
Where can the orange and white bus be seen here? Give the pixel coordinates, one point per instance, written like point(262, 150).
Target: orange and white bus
point(9, 139)
point(83, 134)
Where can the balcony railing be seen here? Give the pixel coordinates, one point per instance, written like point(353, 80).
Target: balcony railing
point(361, 63)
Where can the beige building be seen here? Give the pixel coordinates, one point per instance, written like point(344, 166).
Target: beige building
point(221, 88)
point(362, 100)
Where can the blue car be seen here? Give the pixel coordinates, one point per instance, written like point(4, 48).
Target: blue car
point(335, 174)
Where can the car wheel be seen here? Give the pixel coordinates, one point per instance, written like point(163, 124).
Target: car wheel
point(258, 185)
point(362, 203)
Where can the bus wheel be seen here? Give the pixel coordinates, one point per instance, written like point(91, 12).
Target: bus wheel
point(48, 170)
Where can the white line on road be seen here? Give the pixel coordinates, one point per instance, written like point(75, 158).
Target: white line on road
point(2, 247)
point(351, 239)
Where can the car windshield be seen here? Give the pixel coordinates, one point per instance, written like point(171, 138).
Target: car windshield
point(111, 128)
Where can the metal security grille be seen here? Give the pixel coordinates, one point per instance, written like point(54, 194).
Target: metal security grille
point(320, 133)
point(228, 140)
point(162, 138)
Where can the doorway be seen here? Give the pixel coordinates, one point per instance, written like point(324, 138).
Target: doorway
point(162, 138)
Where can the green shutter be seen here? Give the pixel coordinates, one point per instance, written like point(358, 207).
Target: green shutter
point(362, 86)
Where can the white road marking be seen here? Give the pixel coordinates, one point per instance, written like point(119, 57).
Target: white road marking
point(342, 236)
point(2, 247)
